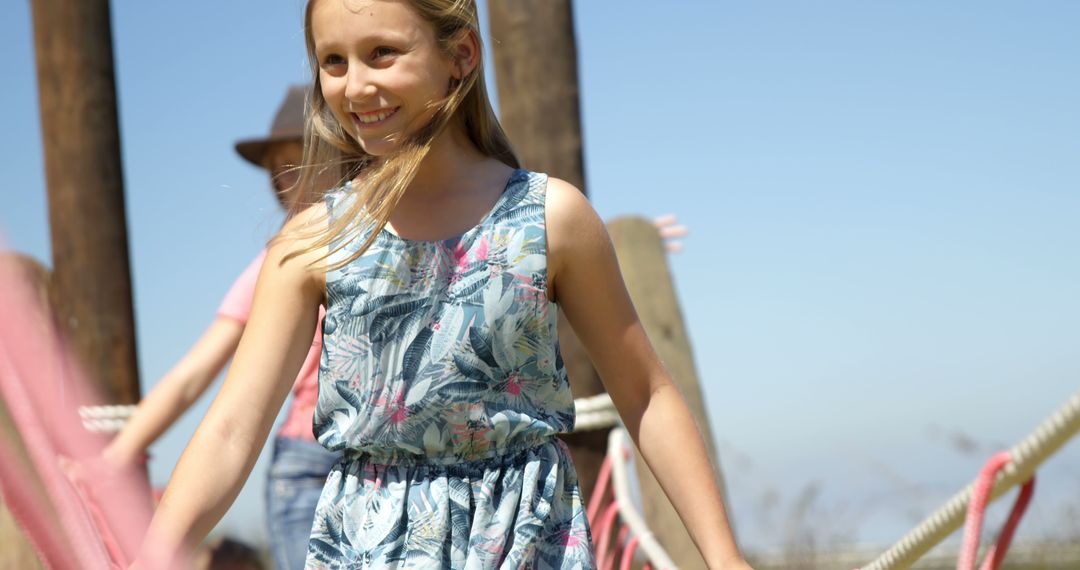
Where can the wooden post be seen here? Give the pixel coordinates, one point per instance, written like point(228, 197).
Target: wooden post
point(537, 78)
point(90, 276)
point(644, 267)
point(536, 74)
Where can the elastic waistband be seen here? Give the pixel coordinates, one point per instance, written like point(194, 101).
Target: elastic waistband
point(401, 457)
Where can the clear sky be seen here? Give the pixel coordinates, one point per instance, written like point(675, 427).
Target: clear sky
point(881, 278)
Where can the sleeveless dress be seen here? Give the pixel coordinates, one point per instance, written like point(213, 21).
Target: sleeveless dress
point(442, 382)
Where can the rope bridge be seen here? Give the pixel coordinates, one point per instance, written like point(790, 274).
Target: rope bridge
point(1005, 471)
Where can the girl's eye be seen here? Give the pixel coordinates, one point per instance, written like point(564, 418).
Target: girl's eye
point(382, 51)
point(333, 59)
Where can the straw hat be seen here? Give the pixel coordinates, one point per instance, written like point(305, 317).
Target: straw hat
point(288, 126)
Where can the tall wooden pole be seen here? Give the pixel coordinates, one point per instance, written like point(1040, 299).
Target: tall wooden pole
point(90, 276)
point(537, 78)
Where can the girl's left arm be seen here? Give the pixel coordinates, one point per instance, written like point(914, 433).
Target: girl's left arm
point(221, 454)
point(585, 280)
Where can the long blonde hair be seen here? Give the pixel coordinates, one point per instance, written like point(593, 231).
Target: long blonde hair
point(330, 152)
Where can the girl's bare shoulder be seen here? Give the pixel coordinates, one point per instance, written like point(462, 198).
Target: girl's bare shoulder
point(567, 210)
point(575, 232)
point(294, 250)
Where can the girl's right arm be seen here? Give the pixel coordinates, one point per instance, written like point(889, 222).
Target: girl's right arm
point(223, 450)
point(176, 391)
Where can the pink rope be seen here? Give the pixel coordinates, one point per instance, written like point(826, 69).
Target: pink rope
point(616, 549)
point(603, 530)
point(620, 548)
point(602, 517)
point(23, 498)
point(996, 554)
point(628, 553)
point(27, 412)
point(597, 499)
point(980, 496)
point(88, 517)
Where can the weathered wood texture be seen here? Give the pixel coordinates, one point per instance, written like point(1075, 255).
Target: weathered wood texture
point(537, 77)
point(90, 276)
point(645, 269)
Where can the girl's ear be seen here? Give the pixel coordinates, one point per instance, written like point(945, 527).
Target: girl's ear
point(465, 51)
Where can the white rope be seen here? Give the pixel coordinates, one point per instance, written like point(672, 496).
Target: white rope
point(592, 413)
point(1026, 456)
point(595, 412)
point(105, 419)
point(620, 482)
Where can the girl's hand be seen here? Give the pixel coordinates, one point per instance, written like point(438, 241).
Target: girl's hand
point(671, 232)
point(117, 458)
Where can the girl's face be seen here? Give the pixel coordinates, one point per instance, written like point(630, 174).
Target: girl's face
point(380, 68)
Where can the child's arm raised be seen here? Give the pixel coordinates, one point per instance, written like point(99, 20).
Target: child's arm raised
point(585, 280)
point(223, 450)
point(176, 391)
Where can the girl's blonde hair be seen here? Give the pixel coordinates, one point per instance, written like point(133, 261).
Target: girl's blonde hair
point(330, 153)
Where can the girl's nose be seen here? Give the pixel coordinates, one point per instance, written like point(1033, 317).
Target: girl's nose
point(358, 84)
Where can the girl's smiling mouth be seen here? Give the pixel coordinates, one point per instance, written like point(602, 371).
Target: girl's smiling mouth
point(373, 118)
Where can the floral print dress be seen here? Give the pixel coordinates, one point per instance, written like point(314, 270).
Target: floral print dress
point(442, 382)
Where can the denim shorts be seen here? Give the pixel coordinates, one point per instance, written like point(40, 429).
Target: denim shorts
point(298, 471)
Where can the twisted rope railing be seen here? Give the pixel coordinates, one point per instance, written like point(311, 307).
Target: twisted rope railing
point(105, 419)
point(1026, 456)
point(595, 412)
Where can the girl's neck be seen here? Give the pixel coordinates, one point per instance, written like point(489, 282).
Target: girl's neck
point(452, 162)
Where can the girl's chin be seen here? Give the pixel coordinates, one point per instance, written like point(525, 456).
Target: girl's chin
point(379, 150)
point(378, 147)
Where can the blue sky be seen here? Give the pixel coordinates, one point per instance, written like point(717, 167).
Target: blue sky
point(882, 199)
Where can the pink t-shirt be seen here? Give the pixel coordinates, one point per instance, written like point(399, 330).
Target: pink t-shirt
point(237, 306)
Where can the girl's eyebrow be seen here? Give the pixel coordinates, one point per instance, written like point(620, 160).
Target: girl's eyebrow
point(373, 39)
point(376, 37)
point(388, 35)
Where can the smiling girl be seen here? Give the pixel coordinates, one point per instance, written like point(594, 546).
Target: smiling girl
point(442, 265)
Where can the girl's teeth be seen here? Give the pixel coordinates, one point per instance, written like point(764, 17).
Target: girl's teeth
point(374, 118)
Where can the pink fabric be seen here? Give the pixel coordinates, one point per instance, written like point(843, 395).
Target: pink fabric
point(237, 302)
point(77, 512)
point(305, 392)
